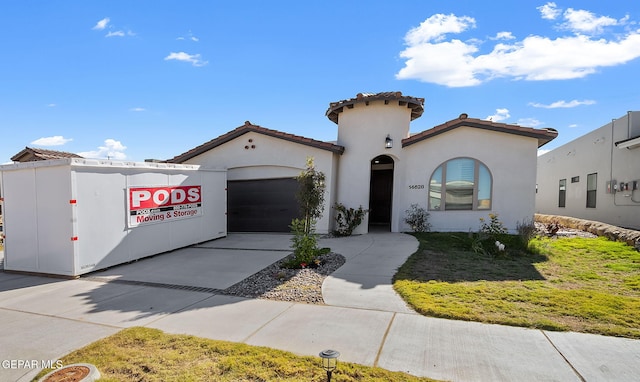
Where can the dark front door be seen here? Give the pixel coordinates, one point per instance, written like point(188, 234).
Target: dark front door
point(381, 190)
point(265, 205)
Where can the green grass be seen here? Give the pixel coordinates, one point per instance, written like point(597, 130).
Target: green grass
point(142, 354)
point(577, 284)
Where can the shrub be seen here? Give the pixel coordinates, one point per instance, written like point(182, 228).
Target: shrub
point(491, 238)
point(417, 218)
point(526, 231)
point(347, 219)
point(305, 245)
point(493, 227)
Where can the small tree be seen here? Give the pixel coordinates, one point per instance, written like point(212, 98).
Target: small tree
point(310, 196)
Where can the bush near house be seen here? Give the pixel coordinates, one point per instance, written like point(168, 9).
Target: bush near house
point(417, 218)
point(577, 284)
point(348, 219)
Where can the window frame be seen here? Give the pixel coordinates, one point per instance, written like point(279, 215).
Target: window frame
point(592, 193)
point(562, 193)
point(475, 203)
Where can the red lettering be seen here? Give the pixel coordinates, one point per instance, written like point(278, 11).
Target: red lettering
point(155, 197)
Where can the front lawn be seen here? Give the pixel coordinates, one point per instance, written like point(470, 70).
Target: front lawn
point(142, 354)
point(577, 284)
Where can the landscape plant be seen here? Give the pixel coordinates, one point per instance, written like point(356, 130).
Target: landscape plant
point(526, 231)
point(491, 232)
point(310, 197)
point(417, 218)
point(348, 219)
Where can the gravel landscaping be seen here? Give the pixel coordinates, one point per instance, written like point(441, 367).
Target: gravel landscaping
point(291, 285)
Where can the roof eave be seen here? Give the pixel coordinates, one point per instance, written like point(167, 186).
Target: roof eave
point(247, 128)
point(543, 136)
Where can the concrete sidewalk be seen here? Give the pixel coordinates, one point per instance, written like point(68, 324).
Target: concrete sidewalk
point(44, 318)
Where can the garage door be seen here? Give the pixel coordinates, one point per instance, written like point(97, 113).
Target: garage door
point(266, 205)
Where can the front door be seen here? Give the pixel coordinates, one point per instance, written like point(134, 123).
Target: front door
point(381, 192)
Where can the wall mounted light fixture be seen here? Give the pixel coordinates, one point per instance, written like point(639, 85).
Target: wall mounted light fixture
point(388, 142)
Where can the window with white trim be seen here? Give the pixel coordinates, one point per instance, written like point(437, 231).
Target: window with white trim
point(462, 183)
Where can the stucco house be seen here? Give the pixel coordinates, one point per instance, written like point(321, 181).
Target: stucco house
point(596, 176)
point(31, 154)
point(460, 171)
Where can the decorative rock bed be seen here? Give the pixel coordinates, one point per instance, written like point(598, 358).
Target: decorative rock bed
point(629, 236)
point(292, 285)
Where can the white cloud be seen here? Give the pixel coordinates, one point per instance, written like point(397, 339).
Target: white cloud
point(503, 36)
point(432, 57)
point(573, 125)
point(56, 140)
point(189, 36)
point(51, 105)
point(500, 115)
point(138, 109)
point(529, 122)
point(112, 149)
point(563, 104)
point(101, 24)
point(437, 26)
point(115, 34)
point(549, 11)
point(194, 59)
point(585, 21)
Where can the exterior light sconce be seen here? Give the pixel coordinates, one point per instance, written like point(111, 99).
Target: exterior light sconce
point(388, 142)
point(329, 361)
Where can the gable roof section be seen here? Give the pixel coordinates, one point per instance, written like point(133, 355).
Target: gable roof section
point(415, 104)
point(30, 154)
point(249, 127)
point(543, 136)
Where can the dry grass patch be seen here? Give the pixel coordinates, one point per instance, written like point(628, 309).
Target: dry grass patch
point(577, 284)
point(142, 354)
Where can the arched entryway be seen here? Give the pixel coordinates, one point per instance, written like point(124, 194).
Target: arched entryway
point(381, 193)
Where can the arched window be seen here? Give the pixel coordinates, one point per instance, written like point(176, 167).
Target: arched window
point(465, 184)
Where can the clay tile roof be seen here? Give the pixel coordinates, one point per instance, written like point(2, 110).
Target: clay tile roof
point(415, 104)
point(249, 127)
point(30, 154)
point(544, 136)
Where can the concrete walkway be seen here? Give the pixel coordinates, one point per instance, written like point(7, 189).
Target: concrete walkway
point(44, 318)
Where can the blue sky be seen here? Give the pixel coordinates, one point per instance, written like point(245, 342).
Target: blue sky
point(132, 80)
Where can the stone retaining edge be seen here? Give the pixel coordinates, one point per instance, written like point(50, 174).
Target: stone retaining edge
point(629, 236)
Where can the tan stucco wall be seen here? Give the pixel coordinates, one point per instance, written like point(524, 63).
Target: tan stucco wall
point(362, 131)
point(510, 158)
point(271, 158)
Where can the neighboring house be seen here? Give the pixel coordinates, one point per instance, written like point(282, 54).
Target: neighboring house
point(460, 171)
point(30, 154)
point(595, 177)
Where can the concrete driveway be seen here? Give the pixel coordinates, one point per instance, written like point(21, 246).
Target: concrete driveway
point(178, 292)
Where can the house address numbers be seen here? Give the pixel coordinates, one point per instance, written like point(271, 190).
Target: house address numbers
point(416, 186)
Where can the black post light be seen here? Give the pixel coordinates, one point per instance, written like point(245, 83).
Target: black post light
point(329, 361)
point(388, 142)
